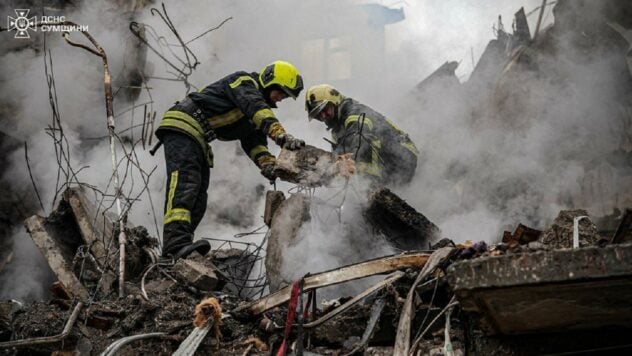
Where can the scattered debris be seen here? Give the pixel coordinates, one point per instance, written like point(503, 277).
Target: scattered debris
point(195, 274)
point(60, 261)
point(312, 167)
point(403, 226)
point(522, 235)
point(560, 234)
point(536, 292)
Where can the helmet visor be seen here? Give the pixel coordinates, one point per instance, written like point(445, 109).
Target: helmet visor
point(294, 92)
point(315, 112)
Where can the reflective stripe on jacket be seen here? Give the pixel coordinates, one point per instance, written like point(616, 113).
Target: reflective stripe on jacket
point(373, 139)
point(235, 108)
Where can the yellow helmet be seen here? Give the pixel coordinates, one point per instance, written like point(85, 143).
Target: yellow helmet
point(317, 98)
point(283, 75)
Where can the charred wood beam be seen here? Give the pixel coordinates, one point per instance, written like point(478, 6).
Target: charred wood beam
point(376, 313)
point(337, 276)
point(402, 340)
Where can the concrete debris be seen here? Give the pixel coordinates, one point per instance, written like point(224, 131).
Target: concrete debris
point(488, 293)
point(57, 254)
point(274, 198)
point(560, 234)
point(548, 290)
point(312, 167)
point(284, 228)
point(403, 226)
point(195, 274)
point(96, 228)
point(532, 293)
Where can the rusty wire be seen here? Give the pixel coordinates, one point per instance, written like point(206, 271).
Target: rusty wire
point(186, 66)
point(250, 256)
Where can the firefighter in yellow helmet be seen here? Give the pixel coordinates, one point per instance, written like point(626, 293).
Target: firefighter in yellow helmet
point(236, 107)
point(381, 150)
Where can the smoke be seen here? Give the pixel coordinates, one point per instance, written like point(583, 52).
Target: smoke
point(482, 169)
point(27, 276)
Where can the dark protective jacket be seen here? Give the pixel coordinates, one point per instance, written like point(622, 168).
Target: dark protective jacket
point(233, 108)
point(380, 149)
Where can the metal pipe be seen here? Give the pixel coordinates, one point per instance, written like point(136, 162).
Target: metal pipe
point(47, 339)
point(116, 345)
point(576, 230)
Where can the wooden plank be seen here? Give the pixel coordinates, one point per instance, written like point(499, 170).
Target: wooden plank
point(340, 275)
point(52, 252)
point(402, 339)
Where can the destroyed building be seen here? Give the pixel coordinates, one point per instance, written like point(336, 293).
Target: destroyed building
point(393, 278)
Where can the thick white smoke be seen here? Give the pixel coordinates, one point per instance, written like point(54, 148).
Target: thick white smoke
point(464, 163)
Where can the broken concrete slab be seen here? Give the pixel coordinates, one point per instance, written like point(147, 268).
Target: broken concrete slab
point(96, 227)
point(560, 234)
point(310, 166)
point(274, 198)
point(286, 223)
point(547, 291)
point(195, 274)
point(58, 260)
point(404, 227)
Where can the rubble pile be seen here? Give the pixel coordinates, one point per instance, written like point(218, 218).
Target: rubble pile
point(466, 298)
point(562, 288)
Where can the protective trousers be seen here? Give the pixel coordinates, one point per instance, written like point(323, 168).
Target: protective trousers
point(188, 176)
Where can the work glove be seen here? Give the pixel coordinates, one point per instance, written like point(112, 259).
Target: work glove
point(290, 142)
point(268, 171)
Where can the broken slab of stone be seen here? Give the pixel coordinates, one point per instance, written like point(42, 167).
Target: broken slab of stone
point(560, 234)
point(310, 166)
point(547, 291)
point(58, 252)
point(404, 227)
point(286, 223)
point(274, 198)
point(196, 274)
point(96, 226)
